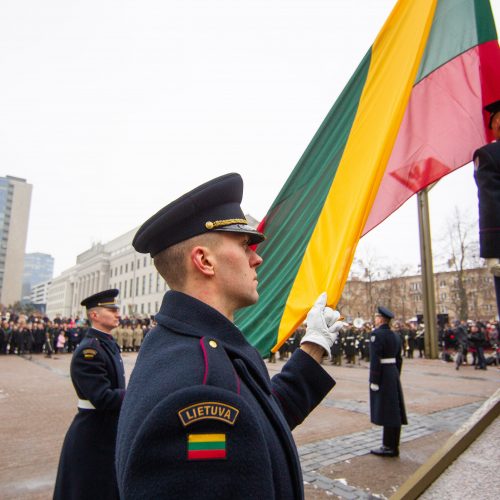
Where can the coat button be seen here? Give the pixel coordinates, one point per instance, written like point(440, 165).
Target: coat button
point(213, 344)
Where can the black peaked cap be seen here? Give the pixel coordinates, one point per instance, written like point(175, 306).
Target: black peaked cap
point(385, 312)
point(492, 108)
point(107, 298)
point(213, 206)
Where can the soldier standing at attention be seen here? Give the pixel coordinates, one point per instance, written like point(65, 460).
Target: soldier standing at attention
point(487, 177)
point(201, 418)
point(87, 464)
point(387, 407)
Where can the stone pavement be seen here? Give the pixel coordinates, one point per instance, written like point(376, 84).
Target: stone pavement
point(330, 451)
point(37, 404)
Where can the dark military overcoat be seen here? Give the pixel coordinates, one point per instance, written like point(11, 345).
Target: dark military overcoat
point(86, 467)
point(387, 405)
point(202, 419)
point(487, 176)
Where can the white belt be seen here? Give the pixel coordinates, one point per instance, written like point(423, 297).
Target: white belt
point(388, 361)
point(85, 404)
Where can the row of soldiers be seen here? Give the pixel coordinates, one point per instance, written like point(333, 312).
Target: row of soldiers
point(353, 342)
point(130, 334)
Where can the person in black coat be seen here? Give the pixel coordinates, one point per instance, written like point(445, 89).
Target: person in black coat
point(202, 418)
point(387, 406)
point(487, 177)
point(87, 463)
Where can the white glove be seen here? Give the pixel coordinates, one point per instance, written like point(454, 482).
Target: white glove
point(374, 387)
point(322, 325)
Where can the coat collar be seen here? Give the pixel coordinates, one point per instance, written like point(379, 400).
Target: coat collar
point(94, 332)
point(189, 316)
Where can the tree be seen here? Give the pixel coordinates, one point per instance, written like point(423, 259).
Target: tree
point(460, 249)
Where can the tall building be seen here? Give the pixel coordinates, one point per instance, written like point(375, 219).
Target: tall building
point(38, 296)
point(15, 200)
point(38, 267)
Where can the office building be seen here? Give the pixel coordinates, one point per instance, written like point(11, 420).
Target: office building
point(15, 200)
point(38, 268)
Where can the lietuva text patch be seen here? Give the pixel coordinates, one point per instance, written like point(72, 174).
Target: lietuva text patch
point(208, 410)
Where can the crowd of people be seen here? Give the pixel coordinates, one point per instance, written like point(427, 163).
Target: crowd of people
point(20, 334)
point(477, 338)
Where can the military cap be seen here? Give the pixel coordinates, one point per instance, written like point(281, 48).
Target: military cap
point(383, 311)
point(107, 298)
point(493, 108)
point(213, 206)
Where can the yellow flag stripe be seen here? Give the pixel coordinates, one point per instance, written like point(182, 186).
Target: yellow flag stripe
point(395, 59)
point(203, 438)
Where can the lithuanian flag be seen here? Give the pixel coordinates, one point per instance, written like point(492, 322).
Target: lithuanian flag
point(410, 114)
point(206, 446)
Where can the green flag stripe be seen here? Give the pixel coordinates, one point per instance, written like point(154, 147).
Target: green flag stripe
point(207, 445)
point(293, 216)
point(458, 26)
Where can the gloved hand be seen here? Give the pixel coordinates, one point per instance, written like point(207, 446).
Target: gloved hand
point(374, 387)
point(322, 325)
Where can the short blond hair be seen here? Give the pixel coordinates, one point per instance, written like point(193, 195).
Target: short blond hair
point(171, 262)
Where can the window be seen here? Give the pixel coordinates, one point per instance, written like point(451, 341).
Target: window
point(138, 263)
point(126, 268)
point(145, 261)
point(443, 296)
point(132, 266)
point(150, 287)
point(144, 285)
point(136, 286)
point(121, 269)
point(142, 308)
point(124, 289)
point(442, 284)
point(131, 286)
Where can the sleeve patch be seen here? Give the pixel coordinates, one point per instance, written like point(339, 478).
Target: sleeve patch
point(209, 410)
point(372, 338)
point(89, 353)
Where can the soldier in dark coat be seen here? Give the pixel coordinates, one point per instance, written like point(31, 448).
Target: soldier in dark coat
point(86, 467)
point(387, 406)
point(487, 177)
point(202, 418)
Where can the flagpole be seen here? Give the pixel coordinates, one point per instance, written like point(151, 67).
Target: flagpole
point(429, 297)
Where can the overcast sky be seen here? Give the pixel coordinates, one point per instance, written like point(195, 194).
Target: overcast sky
point(112, 108)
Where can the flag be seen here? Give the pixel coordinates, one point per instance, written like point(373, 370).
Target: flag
point(410, 114)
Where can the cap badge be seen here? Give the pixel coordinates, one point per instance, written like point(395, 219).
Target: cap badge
point(219, 223)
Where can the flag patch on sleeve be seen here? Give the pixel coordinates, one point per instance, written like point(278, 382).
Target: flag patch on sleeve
point(206, 447)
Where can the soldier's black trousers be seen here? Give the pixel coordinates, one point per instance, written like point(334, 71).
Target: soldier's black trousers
point(391, 437)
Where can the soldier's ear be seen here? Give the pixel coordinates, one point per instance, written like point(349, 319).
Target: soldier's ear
point(202, 260)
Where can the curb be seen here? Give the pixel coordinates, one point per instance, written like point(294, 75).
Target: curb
point(425, 475)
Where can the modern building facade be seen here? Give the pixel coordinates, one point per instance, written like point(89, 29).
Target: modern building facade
point(112, 265)
point(15, 201)
point(39, 294)
point(38, 268)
